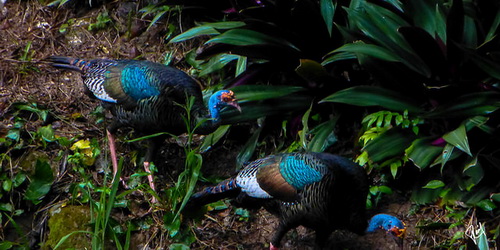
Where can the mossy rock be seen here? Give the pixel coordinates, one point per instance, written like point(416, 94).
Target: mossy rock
point(66, 220)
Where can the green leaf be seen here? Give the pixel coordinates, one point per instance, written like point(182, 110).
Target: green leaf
point(476, 173)
point(213, 138)
point(367, 49)
point(340, 56)
point(248, 149)
point(425, 195)
point(246, 93)
point(495, 197)
point(244, 37)
point(446, 155)
point(458, 138)
point(486, 205)
point(241, 66)
point(475, 104)
point(276, 106)
point(47, 133)
point(422, 153)
point(305, 127)
point(217, 62)
point(434, 184)
point(373, 96)
point(493, 29)
point(324, 136)
point(389, 144)
point(7, 207)
point(487, 65)
point(206, 29)
point(327, 11)
point(6, 245)
point(41, 182)
point(7, 185)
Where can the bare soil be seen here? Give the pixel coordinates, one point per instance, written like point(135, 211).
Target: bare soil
point(29, 23)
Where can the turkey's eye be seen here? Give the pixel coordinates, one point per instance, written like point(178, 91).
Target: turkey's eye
point(227, 97)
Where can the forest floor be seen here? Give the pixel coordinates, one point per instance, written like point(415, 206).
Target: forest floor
point(30, 32)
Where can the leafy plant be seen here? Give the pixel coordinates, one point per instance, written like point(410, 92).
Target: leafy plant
point(103, 19)
point(440, 61)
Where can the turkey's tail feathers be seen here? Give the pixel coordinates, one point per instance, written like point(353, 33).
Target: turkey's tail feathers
point(225, 189)
point(69, 63)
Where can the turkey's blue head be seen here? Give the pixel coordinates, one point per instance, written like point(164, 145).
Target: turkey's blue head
point(388, 223)
point(219, 100)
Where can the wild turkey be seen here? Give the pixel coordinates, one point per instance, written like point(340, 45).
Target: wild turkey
point(145, 95)
point(320, 191)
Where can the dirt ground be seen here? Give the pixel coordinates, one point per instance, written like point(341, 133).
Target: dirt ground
point(29, 23)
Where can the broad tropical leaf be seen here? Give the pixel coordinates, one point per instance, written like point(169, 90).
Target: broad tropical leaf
point(373, 96)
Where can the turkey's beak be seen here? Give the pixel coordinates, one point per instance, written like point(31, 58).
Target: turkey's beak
point(235, 104)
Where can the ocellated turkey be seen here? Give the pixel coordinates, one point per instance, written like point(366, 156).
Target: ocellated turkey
point(146, 96)
point(320, 191)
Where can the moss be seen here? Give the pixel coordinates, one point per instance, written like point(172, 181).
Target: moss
point(66, 220)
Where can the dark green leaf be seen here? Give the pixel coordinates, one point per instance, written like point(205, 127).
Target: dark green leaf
point(247, 151)
point(446, 155)
point(247, 93)
point(324, 136)
point(367, 49)
point(476, 173)
point(458, 138)
point(279, 106)
point(244, 37)
point(327, 11)
point(493, 29)
point(389, 144)
point(422, 153)
point(373, 96)
point(481, 103)
point(425, 195)
point(19, 179)
point(434, 184)
point(206, 29)
point(213, 138)
point(41, 182)
point(217, 62)
point(7, 207)
point(495, 197)
point(338, 57)
point(486, 205)
point(486, 64)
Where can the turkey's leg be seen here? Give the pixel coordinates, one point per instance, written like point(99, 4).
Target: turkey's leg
point(150, 180)
point(152, 146)
point(112, 149)
point(114, 161)
point(282, 229)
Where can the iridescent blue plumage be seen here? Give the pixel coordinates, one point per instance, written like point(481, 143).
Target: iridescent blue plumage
point(299, 172)
point(136, 82)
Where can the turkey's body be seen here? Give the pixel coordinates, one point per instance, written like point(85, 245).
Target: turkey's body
point(148, 97)
point(140, 94)
point(320, 191)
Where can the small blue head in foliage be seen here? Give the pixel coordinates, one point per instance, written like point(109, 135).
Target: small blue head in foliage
point(388, 223)
point(219, 100)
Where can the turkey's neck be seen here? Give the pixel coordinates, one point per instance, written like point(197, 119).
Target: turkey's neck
point(209, 122)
